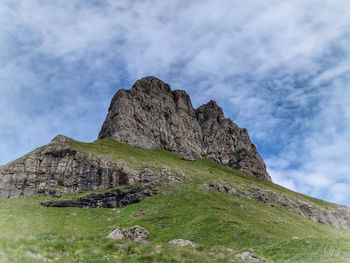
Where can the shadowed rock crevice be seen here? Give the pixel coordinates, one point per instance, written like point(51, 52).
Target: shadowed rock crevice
point(112, 199)
point(150, 115)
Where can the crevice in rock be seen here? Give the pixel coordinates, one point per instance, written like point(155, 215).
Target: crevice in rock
point(111, 199)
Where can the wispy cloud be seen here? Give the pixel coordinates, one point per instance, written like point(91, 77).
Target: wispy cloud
point(278, 68)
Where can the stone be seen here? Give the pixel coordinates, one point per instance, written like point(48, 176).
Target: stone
point(219, 187)
point(260, 194)
point(116, 234)
point(228, 144)
point(247, 256)
point(139, 213)
point(182, 243)
point(151, 115)
point(135, 233)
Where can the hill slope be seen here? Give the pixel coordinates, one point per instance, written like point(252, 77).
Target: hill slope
point(219, 208)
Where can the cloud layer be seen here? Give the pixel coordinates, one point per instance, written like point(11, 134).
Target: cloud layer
point(278, 68)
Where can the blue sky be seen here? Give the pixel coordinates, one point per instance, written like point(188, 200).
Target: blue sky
point(279, 68)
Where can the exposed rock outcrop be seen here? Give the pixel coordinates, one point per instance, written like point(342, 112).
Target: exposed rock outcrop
point(150, 115)
point(338, 216)
point(58, 167)
point(218, 187)
point(226, 143)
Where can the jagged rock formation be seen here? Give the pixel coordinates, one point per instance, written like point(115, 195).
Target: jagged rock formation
point(58, 168)
point(150, 115)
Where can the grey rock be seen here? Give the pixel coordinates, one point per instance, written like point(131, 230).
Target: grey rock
point(259, 194)
point(58, 168)
point(218, 187)
point(335, 215)
point(182, 243)
point(150, 116)
point(135, 233)
point(228, 144)
point(116, 234)
point(247, 256)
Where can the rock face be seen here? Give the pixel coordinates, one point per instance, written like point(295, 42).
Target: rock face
point(58, 165)
point(151, 115)
point(58, 168)
point(226, 143)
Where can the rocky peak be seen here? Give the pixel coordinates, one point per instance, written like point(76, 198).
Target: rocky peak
point(210, 110)
point(151, 115)
point(151, 85)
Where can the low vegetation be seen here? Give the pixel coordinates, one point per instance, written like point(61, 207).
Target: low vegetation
point(221, 224)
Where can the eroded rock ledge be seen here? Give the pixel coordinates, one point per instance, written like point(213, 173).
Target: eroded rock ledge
point(337, 216)
point(59, 168)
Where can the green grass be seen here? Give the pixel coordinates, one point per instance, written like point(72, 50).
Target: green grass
point(213, 220)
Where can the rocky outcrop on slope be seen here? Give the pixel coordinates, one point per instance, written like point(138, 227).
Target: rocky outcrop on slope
point(338, 216)
point(58, 167)
point(226, 143)
point(151, 115)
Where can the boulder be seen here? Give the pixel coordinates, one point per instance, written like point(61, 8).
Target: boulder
point(249, 257)
point(135, 233)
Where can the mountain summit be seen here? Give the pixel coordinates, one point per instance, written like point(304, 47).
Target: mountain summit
point(150, 115)
point(161, 201)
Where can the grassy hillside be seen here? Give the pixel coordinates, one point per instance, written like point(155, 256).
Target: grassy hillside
point(221, 224)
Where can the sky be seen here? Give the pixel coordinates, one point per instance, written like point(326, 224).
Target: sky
point(281, 69)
